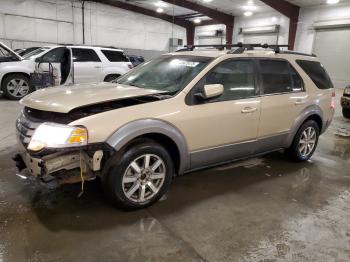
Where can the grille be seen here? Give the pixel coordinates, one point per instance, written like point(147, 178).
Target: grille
point(25, 128)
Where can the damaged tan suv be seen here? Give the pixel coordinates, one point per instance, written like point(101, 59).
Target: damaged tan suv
point(178, 113)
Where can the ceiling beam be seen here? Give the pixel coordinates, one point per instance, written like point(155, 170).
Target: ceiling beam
point(208, 22)
point(187, 16)
point(292, 12)
point(148, 12)
point(219, 17)
point(136, 9)
point(282, 6)
point(212, 13)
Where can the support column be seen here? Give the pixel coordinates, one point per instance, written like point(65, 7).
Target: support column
point(229, 34)
point(292, 12)
point(293, 26)
point(190, 34)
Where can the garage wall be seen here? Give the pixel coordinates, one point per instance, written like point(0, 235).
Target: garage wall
point(106, 25)
point(265, 19)
point(308, 16)
point(26, 23)
point(330, 45)
point(206, 39)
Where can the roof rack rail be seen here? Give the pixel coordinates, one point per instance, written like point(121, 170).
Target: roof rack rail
point(219, 47)
point(103, 46)
point(297, 53)
point(276, 48)
point(241, 47)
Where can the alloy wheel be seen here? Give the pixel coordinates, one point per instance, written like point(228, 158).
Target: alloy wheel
point(307, 141)
point(18, 87)
point(143, 178)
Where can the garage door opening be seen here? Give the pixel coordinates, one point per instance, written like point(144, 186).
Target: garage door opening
point(332, 47)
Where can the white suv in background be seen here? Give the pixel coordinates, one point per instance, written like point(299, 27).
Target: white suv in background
point(91, 64)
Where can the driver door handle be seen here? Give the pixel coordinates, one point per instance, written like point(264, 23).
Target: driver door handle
point(248, 109)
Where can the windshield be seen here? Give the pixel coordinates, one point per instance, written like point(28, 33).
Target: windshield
point(35, 53)
point(27, 51)
point(166, 73)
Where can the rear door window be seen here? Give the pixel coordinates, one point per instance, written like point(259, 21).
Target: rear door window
point(278, 77)
point(298, 84)
point(115, 56)
point(85, 55)
point(317, 73)
point(275, 76)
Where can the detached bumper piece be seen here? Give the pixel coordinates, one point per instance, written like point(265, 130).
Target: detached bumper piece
point(61, 168)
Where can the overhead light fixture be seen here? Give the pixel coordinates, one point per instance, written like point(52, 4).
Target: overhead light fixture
point(332, 2)
point(274, 19)
point(160, 10)
point(249, 7)
point(207, 1)
point(250, 2)
point(248, 13)
point(197, 21)
point(160, 4)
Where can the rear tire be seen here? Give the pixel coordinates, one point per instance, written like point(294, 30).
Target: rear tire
point(139, 176)
point(305, 142)
point(16, 86)
point(346, 112)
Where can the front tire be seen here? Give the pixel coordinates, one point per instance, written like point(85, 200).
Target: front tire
point(305, 142)
point(16, 86)
point(139, 177)
point(346, 112)
point(110, 78)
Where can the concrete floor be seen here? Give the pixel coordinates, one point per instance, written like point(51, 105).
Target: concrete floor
point(263, 209)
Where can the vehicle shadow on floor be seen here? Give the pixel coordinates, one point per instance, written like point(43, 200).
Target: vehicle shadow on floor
point(62, 209)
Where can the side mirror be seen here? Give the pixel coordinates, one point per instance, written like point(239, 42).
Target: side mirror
point(211, 91)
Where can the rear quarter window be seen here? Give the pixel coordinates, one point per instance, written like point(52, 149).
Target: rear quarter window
point(115, 56)
point(317, 73)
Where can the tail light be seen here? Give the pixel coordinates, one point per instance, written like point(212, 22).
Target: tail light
point(130, 66)
point(333, 100)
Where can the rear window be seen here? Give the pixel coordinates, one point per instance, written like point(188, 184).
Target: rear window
point(115, 56)
point(317, 73)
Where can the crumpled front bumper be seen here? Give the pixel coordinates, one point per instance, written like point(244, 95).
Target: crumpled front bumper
point(62, 167)
point(65, 165)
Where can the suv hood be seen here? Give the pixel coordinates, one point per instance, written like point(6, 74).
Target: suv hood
point(15, 56)
point(64, 99)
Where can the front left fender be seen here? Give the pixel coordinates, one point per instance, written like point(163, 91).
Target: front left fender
point(137, 128)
